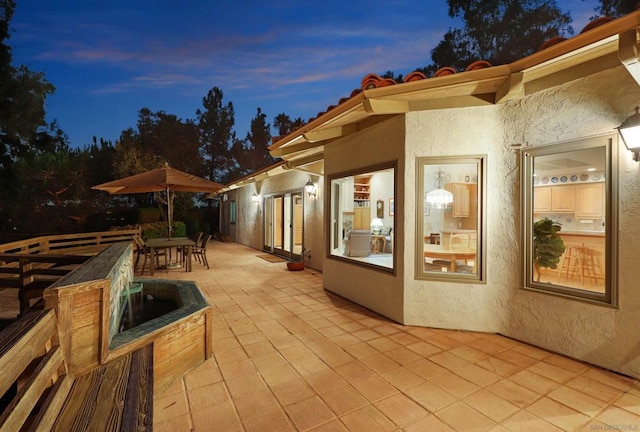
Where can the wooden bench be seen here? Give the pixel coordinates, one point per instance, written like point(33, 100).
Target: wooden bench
point(41, 395)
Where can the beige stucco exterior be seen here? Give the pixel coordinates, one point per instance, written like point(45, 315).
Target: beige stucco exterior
point(580, 109)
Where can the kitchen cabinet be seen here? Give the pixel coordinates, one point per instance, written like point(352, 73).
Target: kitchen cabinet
point(362, 218)
point(361, 191)
point(461, 199)
point(589, 201)
point(554, 199)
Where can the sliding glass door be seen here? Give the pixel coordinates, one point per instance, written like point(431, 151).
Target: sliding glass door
point(283, 224)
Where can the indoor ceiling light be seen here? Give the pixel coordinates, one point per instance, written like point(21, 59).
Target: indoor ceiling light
point(439, 198)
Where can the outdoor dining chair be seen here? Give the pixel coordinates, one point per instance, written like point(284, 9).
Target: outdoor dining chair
point(143, 250)
point(200, 250)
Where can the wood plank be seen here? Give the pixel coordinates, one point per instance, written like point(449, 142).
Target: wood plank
point(21, 342)
point(23, 403)
point(52, 405)
point(138, 409)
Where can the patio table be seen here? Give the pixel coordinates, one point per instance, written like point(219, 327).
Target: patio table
point(167, 243)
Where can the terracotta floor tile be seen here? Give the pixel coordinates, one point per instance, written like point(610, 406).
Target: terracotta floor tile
point(629, 402)
point(268, 361)
point(309, 413)
point(426, 369)
point(524, 421)
point(478, 375)
point(553, 372)
point(501, 367)
point(368, 419)
point(361, 350)
point(514, 393)
point(535, 382)
point(594, 388)
point(401, 410)
point(443, 342)
point(531, 351)
point(245, 384)
point(251, 338)
point(202, 397)
point(223, 415)
point(430, 423)
point(469, 353)
point(181, 423)
point(242, 367)
point(491, 405)
point(375, 388)
point(333, 426)
point(170, 406)
point(403, 355)
point(354, 371)
point(325, 381)
point(254, 404)
point(425, 349)
point(260, 348)
point(402, 378)
point(383, 344)
point(430, 396)
point(227, 344)
point(464, 418)
point(230, 356)
point(309, 365)
point(385, 329)
point(608, 378)
point(331, 331)
point(344, 400)
point(274, 421)
point(293, 391)
point(366, 335)
point(279, 375)
point(579, 401)
point(345, 340)
point(516, 358)
point(202, 376)
point(449, 361)
point(620, 418)
point(455, 385)
point(380, 363)
point(558, 414)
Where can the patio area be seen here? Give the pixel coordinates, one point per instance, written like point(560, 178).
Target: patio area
point(290, 356)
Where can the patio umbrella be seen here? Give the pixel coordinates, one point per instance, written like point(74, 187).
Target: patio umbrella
point(161, 179)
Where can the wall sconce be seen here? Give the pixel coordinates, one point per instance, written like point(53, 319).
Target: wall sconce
point(311, 189)
point(255, 198)
point(629, 130)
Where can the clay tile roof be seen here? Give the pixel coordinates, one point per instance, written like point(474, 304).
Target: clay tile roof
point(595, 23)
point(551, 42)
point(415, 76)
point(372, 80)
point(480, 64)
point(444, 71)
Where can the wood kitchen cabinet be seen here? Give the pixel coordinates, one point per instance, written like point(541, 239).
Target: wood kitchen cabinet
point(362, 218)
point(589, 201)
point(461, 199)
point(554, 199)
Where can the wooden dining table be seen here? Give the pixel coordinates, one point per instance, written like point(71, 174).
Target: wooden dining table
point(449, 253)
point(167, 243)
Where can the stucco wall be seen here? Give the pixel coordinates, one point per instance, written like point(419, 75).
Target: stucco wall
point(249, 216)
point(587, 107)
point(373, 145)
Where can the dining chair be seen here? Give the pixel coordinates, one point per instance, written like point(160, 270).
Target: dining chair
point(183, 249)
point(143, 249)
point(200, 250)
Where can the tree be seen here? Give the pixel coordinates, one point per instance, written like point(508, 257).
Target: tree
point(498, 31)
point(252, 154)
point(215, 124)
point(616, 8)
point(22, 98)
point(284, 125)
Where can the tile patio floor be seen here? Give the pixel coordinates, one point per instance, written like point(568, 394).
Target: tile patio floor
point(290, 356)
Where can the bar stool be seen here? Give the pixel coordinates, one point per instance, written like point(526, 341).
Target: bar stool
point(572, 261)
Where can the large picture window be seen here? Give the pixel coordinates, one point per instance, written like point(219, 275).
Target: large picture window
point(362, 216)
point(569, 219)
point(450, 214)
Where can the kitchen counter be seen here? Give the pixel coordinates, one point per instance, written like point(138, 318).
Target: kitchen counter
point(587, 233)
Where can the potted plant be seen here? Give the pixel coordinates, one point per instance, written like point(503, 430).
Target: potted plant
point(548, 247)
point(300, 264)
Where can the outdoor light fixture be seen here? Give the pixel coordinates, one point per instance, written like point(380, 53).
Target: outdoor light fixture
point(311, 189)
point(255, 198)
point(439, 198)
point(630, 132)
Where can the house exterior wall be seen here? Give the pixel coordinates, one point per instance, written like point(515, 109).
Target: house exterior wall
point(248, 228)
point(584, 108)
point(377, 290)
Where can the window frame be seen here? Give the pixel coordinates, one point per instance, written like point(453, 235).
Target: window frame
point(330, 203)
point(233, 210)
point(480, 277)
point(527, 163)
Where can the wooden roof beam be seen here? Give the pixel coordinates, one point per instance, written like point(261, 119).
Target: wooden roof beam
point(628, 53)
point(330, 133)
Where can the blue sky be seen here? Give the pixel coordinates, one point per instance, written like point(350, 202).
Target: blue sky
point(109, 59)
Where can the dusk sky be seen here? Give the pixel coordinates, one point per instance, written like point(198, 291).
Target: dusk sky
point(109, 59)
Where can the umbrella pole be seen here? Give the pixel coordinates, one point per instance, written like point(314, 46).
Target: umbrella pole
point(169, 211)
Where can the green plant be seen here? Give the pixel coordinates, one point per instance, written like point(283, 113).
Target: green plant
point(548, 247)
point(159, 230)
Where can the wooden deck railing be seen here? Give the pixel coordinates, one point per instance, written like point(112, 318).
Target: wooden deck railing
point(32, 265)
